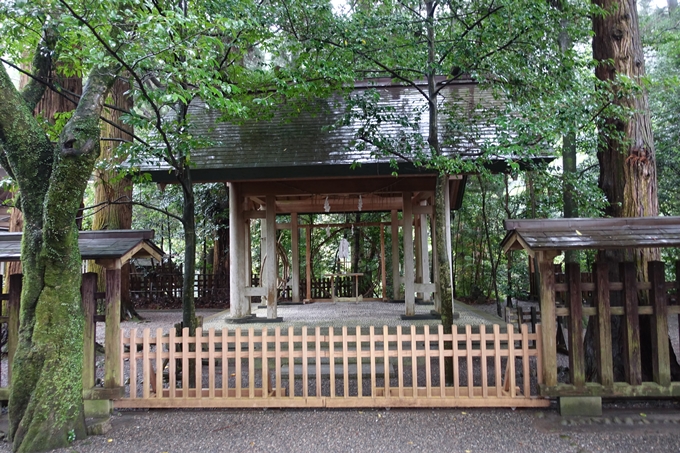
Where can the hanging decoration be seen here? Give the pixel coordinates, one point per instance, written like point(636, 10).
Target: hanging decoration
point(328, 231)
point(361, 203)
point(326, 205)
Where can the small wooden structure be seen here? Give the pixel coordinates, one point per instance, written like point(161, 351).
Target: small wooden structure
point(110, 249)
point(546, 239)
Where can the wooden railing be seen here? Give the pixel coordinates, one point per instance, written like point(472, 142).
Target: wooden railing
point(597, 292)
point(166, 289)
point(330, 367)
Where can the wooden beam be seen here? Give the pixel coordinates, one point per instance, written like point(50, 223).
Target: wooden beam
point(383, 273)
point(271, 264)
point(238, 300)
point(248, 263)
point(631, 324)
point(295, 246)
point(112, 365)
point(308, 260)
point(396, 283)
point(409, 271)
point(604, 329)
point(576, 358)
point(548, 319)
point(660, 349)
point(13, 309)
point(425, 253)
point(89, 305)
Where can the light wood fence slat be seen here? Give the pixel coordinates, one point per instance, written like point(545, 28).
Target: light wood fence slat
point(206, 352)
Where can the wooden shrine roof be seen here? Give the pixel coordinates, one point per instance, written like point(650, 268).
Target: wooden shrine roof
point(591, 234)
point(96, 245)
point(303, 140)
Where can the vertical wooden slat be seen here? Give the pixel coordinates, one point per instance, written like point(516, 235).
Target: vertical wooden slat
point(386, 361)
point(123, 342)
point(172, 379)
point(211, 362)
point(497, 359)
point(660, 351)
point(539, 355)
point(526, 377)
point(470, 366)
point(133, 363)
point(428, 365)
point(396, 280)
point(631, 324)
point(371, 339)
point(511, 362)
point(305, 359)
point(576, 358)
point(277, 360)
point(237, 356)
point(251, 362)
point(89, 305)
point(456, 364)
point(159, 363)
point(185, 362)
point(409, 269)
point(383, 274)
point(400, 362)
point(482, 350)
point(414, 360)
point(146, 363)
point(112, 371)
point(360, 388)
point(548, 318)
point(291, 363)
point(225, 362)
point(198, 363)
point(265, 363)
point(295, 249)
point(331, 359)
point(604, 333)
point(317, 360)
point(308, 260)
point(442, 374)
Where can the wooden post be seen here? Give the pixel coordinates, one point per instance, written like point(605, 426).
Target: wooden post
point(308, 260)
point(435, 265)
point(112, 371)
point(548, 320)
point(271, 267)
point(660, 352)
point(409, 274)
point(13, 309)
point(382, 263)
point(631, 345)
point(604, 327)
point(295, 246)
point(396, 280)
point(576, 358)
point(238, 301)
point(248, 262)
point(418, 253)
point(89, 304)
point(424, 253)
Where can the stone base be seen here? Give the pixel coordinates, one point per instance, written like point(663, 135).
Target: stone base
point(98, 426)
point(97, 408)
point(587, 406)
point(420, 317)
point(252, 319)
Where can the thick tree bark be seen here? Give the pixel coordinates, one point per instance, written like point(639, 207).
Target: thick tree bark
point(45, 406)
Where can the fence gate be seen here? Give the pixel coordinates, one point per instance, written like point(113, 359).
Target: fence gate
point(327, 367)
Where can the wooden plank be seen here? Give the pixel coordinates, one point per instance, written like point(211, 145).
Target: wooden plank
point(386, 361)
point(456, 364)
point(251, 362)
point(604, 334)
point(539, 354)
point(133, 363)
point(146, 364)
point(172, 372)
point(383, 271)
point(331, 361)
point(305, 363)
point(225, 360)
point(238, 356)
point(360, 389)
point(396, 280)
point(211, 362)
point(112, 370)
point(526, 376)
point(89, 305)
point(409, 269)
point(345, 364)
point(198, 361)
point(631, 348)
point(159, 363)
point(295, 249)
point(240, 304)
point(548, 317)
point(185, 360)
point(428, 366)
point(414, 358)
point(575, 326)
point(659, 323)
point(265, 363)
point(277, 360)
point(372, 358)
point(317, 360)
point(468, 358)
point(308, 261)
point(271, 268)
point(510, 384)
point(497, 360)
point(291, 363)
point(482, 347)
point(400, 362)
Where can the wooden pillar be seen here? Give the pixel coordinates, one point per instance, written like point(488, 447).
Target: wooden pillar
point(660, 351)
point(112, 371)
point(604, 326)
point(271, 266)
point(576, 358)
point(295, 245)
point(548, 319)
point(13, 309)
point(631, 345)
point(409, 274)
point(239, 303)
point(89, 305)
point(308, 260)
point(424, 253)
point(248, 264)
point(435, 265)
point(382, 262)
point(418, 252)
point(396, 280)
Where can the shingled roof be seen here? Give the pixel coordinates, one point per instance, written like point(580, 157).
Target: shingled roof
point(305, 144)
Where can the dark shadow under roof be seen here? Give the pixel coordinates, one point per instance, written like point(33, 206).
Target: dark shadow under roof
point(591, 234)
point(95, 245)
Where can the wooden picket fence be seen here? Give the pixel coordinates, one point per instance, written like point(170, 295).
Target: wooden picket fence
point(366, 367)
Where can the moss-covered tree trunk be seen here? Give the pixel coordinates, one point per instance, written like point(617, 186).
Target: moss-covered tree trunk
point(45, 407)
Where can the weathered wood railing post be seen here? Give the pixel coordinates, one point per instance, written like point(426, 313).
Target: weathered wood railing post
point(576, 358)
point(13, 308)
point(548, 320)
point(631, 324)
point(660, 349)
point(89, 304)
point(604, 328)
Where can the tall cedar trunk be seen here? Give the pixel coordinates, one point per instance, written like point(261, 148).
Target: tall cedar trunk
point(110, 189)
point(46, 405)
point(627, 158)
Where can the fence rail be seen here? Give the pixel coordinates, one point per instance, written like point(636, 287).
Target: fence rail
point(344, 367)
